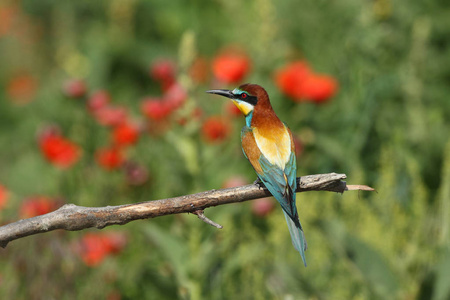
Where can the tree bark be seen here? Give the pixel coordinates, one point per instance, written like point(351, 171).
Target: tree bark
point(72, 217)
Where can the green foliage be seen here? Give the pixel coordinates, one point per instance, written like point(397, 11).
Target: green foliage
point(387, 127)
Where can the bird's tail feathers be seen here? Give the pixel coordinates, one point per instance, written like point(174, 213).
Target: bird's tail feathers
point(297, 236)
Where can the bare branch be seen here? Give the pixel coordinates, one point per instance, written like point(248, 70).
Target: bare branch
point(200, 214)
point(72, 217)
point(359, 187)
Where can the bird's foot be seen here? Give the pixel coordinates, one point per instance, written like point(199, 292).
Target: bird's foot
point(259, 183)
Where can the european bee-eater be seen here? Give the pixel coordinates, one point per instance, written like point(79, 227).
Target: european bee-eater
point(267, 143)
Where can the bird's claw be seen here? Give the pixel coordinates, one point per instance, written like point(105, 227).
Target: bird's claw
point(259, 183)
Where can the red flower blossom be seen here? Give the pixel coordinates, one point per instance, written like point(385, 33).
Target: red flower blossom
point(135, 174)
point(197, 113)
point(125, 134)
point(319, 88)
point(36, 206)
point(114, 295)
point(263, 207)
point(4, 195)
point(156, 109)
point(175, 96)
point(231, 65)
point(111, 115)
point(215, 129)
point(75, 88)
point(98, 100)
point(290, 79)
point(22, 88)
point(297, 81)
point(59, 151)
point(8, 13)
point(163, 71)
point(95, 247)
point(109, 158)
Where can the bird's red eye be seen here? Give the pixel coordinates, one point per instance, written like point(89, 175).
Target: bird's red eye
point(243, 96)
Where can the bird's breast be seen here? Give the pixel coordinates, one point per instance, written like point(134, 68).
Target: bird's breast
point(274, 144)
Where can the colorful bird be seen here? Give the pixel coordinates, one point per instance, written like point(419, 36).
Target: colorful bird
point(267, 143)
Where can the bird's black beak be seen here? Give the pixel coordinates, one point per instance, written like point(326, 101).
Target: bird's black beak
point(225, 93)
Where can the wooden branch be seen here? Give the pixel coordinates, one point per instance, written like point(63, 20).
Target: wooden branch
point(200, 214)
point(72, 217)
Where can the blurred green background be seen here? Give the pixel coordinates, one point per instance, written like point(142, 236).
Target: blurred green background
point(387, 126)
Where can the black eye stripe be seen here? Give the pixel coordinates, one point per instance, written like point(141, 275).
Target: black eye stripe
point(250, 99)
point(246, 97)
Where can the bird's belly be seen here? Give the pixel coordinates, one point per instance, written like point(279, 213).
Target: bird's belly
point(276, 146)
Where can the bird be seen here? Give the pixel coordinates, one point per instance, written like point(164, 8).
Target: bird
point(269, 146)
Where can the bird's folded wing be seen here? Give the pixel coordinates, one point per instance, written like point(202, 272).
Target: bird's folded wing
point(274, 178)
point(276, 182)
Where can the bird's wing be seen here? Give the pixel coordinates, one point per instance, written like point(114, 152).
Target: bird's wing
point(276, 182)
point(291, 166)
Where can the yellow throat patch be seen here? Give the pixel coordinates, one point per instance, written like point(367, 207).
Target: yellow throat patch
point(244, 107)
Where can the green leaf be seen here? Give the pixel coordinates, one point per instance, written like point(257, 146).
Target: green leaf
point(442, 286)
point(373, 267)
point(175, 252)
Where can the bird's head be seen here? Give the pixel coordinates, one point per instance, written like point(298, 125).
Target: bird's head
point(245, 97)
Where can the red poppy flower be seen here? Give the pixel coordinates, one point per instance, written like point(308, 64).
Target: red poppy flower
point(263, 207)
point(92, 249)
point(215, 129)
point(75, 88)
point(4, 195)
point(111, 115)
point(156, 109)
point(231, 66)
point(125, 134)
point(163, 71)
point(8, 14)
point(290, 78)
point(115, 242)
point(297, 81)
point(319, 88)
point(197, 113)
point(59, 151)
point(109, 158)
point(135, 174)
point(98, 100)
point(175, 96)
point(36, 206)
point(22, 89)
point(114, 295)
point(95, 247)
